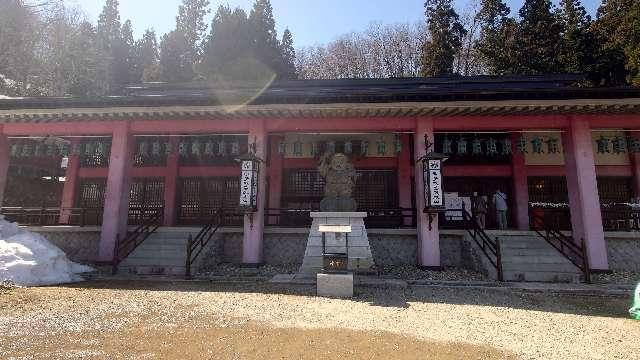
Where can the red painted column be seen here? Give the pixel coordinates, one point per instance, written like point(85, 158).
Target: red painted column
point(584, 201)
point(5, 159)
point(70, 185)
point(171, 185)
point(116, 205)
point(275, 176)
point(428, 239)
point(404, 176)
point(520, 185)
point(252, 242)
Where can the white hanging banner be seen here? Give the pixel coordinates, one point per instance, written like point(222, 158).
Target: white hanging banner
point(435, 184)
point(248, 183)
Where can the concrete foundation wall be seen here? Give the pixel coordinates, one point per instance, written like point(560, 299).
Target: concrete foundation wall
point(287, 246)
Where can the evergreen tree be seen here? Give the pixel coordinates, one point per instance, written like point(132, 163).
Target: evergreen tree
point(445, 38)
point(229, 47)
point(265, 38)
point(126, 56)
point(618, 26)
point(175, 62)
point(108, 41)
point(496, 45)
point(577, 42)
point(190, 22)
point(289, 55)
point(147, 68)
point(83, 57)
point(538, 39)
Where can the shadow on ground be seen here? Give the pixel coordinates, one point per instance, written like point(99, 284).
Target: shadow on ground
point(398, 297)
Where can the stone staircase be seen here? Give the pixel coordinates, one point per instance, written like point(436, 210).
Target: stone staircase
point(163, 253)
point(530, 258)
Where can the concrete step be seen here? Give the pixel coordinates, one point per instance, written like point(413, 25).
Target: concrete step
point(550, 259)
point(508, 252)
point(539, 276)
point(151, 270)
point(540, 267)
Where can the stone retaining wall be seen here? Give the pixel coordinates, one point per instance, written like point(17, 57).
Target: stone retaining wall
point(287, 246)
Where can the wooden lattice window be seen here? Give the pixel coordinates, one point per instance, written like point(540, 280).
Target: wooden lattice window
point(375, 189)
point(145, 197)
point(95, 152)
point(552, 189)
point(91, 193)
point(199, 198)
point(615, 189)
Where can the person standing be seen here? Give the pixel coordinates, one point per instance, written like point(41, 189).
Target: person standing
point(481, 211)
point(500, 203)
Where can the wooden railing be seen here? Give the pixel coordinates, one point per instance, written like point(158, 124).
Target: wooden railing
point(196, 244)
point(489, 247)
point(574, 252)
point(125, 246)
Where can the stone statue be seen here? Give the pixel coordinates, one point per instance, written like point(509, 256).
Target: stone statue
point(340, 178)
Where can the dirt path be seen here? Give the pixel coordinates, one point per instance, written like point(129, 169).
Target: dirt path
point(199, 320)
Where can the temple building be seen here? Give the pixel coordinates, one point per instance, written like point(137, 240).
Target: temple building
point(106, 178)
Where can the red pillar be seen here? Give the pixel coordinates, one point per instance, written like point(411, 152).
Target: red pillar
point(70, 185)
point(404, 176)
point(520, 186)
point(275, 176)
point(5, 159)
point(428, 239)
point(116, 204)
point(252, 242)
point(584, 201)
point(171, 185)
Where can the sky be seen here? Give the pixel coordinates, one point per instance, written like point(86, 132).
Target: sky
point(312, 22)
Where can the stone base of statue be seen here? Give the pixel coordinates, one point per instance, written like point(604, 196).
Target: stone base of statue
point(338, 203)
point(359, 251)
point(334, 285)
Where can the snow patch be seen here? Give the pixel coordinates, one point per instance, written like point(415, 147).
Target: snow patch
point(28, 259)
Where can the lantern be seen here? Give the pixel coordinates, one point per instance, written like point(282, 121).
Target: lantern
point(432, 180)
point(250, 168)
point(364, 148)
point(522, 144)
point(506, 146)
point(15, 150)
point(63, 149)
point(331, 147)
point(492, 147)
point(552, 146)
point(282, 148)
point(398, 144)
point(619, 145)
point(476, 147)
point(446, 146)
point(208, 148)
point(462, 146)
point(348, 147)
point(381, 147)
point(603, 145)
point(536, 145)
point(297, 148)
point(235, 148)
point(222, 148)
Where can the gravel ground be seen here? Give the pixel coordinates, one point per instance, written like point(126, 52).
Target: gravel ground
point(111, 319)
point(617, 277)
point(402, 272)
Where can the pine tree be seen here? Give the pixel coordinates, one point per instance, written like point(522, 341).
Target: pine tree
point(618, 26)
point(538, 39)
point(83, 57)
point(445, 38)
point(496, 45)
point(125, 56)
point(265, 37)
point(175, 62)
point(289, 55)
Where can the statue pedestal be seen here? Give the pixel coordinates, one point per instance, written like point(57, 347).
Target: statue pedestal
point(359, 252)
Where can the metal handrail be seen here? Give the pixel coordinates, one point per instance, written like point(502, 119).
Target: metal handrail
point(490, 247)
point(135, 238)
point(565, 245)
point(201, 240)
